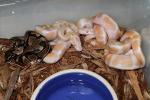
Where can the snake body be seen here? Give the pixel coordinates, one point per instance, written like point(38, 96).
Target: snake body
point(122, 49)
point(31, 47)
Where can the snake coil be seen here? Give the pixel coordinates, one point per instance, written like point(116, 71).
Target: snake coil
point(31, 47)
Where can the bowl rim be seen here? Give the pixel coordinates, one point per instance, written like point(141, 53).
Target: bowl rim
point(98, 77)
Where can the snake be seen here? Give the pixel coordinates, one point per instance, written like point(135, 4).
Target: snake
point(31, 47)
point(122, 49)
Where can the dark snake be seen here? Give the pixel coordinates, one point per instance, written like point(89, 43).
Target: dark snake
point(32, 47)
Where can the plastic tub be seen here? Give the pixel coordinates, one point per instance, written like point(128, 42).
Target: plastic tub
point(17, 16)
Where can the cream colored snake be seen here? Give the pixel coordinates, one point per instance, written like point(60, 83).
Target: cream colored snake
point(62, 35)
point(122, 50)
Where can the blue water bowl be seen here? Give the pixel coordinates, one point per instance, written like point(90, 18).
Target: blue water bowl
point(74, 84)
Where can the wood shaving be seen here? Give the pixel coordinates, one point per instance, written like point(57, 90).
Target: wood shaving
point(12, 82)
point(129, 85)
point(135, 84)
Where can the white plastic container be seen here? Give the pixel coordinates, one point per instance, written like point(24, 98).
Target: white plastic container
point(17, 16)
